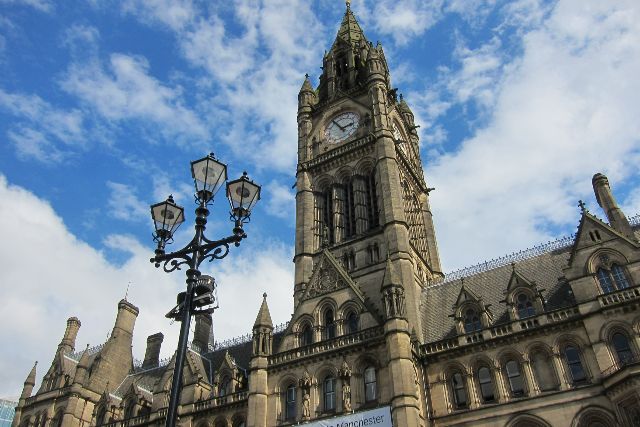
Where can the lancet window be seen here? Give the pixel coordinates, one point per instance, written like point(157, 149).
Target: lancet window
point(346, 209)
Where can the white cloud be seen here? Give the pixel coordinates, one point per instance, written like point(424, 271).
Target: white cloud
point(124, 204)
point(41, 5)
point(405, 19)
point(173, 13)
point(66, 277)
point(41, 130)
point(280, 200)
point(127, 91)
point(564, 110)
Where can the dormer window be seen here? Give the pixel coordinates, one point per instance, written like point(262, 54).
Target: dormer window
point(524, 306)
point(472, 320)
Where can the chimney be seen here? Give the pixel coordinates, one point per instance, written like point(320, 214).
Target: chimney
point(607, 202)
point(202, 332)
point(152, 355)
point(126, 318)
point(68, 342)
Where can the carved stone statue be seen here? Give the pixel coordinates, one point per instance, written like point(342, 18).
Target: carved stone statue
point(346, 397)
point(306, 413)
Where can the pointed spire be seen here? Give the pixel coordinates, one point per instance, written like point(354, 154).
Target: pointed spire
point(306, 85)
point(264, 317)
point(350, 30)
point(29, 383)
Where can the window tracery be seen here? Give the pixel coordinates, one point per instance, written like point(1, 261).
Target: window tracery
point(486, 385)
point(514, 377)
point(345, 209)
point(622, 348)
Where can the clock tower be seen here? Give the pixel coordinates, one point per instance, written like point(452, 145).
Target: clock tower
point(361, 193)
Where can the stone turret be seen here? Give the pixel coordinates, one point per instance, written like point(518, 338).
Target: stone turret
point(152, 353)
point(607, 202)
point(263, 330)
point(27, 389)
point(82, 370)
point(68, 342)
point(262, 347)
point(115, 360)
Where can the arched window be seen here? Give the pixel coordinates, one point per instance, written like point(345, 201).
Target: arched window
point(485, 381)
point(306, 335)
point(622, 348)
point(345, 209)
point(239, 422)
point(524, 306)
point(370, 384)
point(612, 280)
point(329, 325)
point(543, 372)
point(225, 386)
point(514, 377)
point(574, 363)
point(459, 390)
point(329, 393)
point(471, 320)
point(352, 322)
point(290, 403)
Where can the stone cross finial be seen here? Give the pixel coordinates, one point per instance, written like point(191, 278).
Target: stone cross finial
point(583, 206)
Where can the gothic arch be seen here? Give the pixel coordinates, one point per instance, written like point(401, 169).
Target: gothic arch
point(221, 421)
point(238, 419)
point(365, 166)
point(325, 304)
point(344, 174)
point(594, 416)
point(322, 182)
point(527, 420)
point(564, 340)
point(347, 307)
point(203, 423)
point(596, 260)
point(325, 370)
point(285, 382)
point(614, 326)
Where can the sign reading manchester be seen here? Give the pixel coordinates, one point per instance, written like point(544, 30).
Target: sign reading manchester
point(379, 417)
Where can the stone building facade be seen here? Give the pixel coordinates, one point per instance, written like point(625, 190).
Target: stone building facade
point(546, 337)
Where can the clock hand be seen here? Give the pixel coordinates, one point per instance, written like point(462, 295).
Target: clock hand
point(336, 123)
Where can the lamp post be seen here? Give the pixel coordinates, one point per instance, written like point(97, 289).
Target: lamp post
point(209, 175)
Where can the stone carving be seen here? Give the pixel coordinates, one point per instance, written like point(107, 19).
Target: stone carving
point(327, 280)
point(305, 384)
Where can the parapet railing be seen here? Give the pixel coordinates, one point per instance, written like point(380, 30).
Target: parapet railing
point(325, 345)
point(619, 296)
point(221, 400)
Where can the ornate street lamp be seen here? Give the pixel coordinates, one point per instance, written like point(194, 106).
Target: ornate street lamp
point(208, 175)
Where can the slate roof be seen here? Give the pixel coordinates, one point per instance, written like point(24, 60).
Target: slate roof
point(438, 301)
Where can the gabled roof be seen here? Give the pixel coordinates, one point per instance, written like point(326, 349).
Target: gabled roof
point(590, 223)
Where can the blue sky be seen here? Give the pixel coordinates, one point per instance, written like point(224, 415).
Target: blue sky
point(104, 103)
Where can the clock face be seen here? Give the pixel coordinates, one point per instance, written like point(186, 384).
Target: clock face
point(341, 127)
